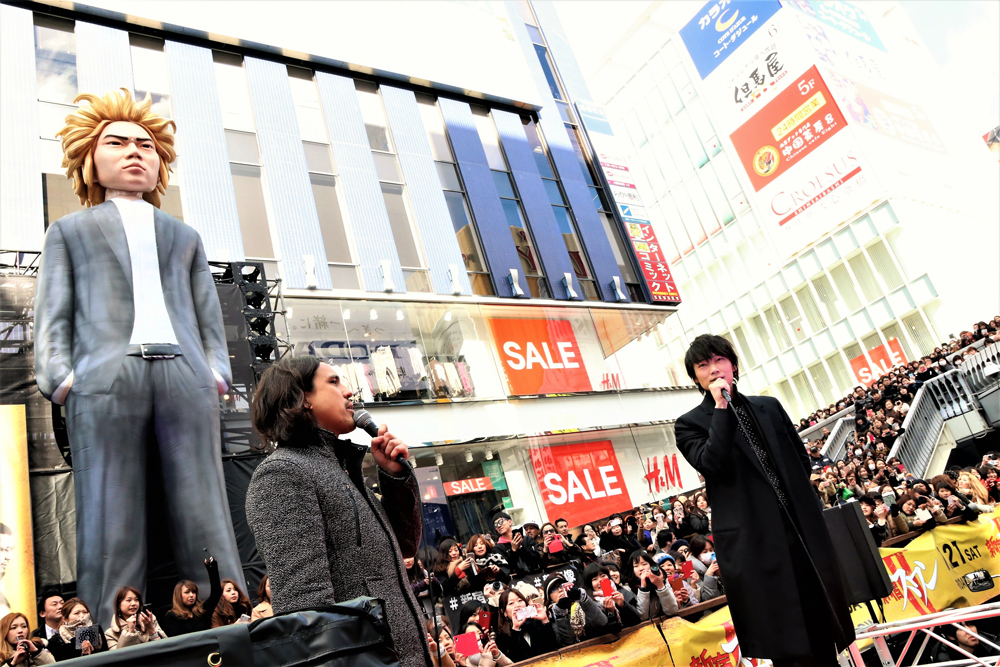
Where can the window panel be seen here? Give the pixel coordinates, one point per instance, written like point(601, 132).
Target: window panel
point(234, 95)
point(549, 70)
point(537, 149)
point(670, 97)
point(635, 132)
point(718, 199)
point(251, 211)
point(701, 205)
point(919, 332)
point(55, 60)
point(402, 233)
point(501, 179)
point(58, 197)
point(318, 157)
point(810, 309)
point(574, 139)
point(387, 168)
point(661, 114)
point(646, 118)
point(576, 253)
point(651, 170)
point(688, 215)
point(149, 73)
point(884, 265)
point(308, 112)
point(242, 147)
point(461, 221)
point(488, 137)
point(374, 116)
point(777, 328)
point(618, 248)
point(331, 222)
point(793, 316)
point(866, 278)
point(827, 297)
point(692, 143)
point(665, 161)
point(821, 379)
point(744, 346)
point(893, 330)
point(844, 380)
point(805, 391)
point(552, 190)
point(763, 336)
point(676, 150)
point(842, 279)
point(448, 175)
point(437, 134)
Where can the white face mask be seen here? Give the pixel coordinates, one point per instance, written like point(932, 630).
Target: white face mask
point(706, 558)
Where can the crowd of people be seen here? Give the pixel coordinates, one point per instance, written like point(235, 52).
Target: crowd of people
point(67, 629)
point(626, 568)
point(894, 501)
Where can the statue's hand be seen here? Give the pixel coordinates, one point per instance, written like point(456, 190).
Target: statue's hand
point(62, 391)
point(220, 383)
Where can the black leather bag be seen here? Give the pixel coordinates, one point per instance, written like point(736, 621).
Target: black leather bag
point(352, 634)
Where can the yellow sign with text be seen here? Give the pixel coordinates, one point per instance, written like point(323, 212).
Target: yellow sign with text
point(928, 575)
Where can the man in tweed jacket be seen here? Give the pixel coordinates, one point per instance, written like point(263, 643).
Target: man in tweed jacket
point(324, 536)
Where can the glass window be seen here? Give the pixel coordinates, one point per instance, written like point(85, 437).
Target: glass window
point(462, 222)
point(387, 168)
point(55, 60)
point(827, 297)
point(576, 254)
point(522, 240)
point(58, 198)
point(618, 248)
point(537, 150)
point(501, 179)
point(234, 95)
point(402, 233)
point(762, 334)
point(555, 196)
point(307, 107)
point(744, 346)
point(149, 73)
point(794, 318)
point(805, 390)
point(893, 330)
point(777, 327)
point(242, 147)
point(842, 279)
point(884, 265)
point(866, 278)
point(534, 34)
point(331, 222)
point(51, 119)
point(809, 307)
point(526, 14)
point(549, 71)
point(489, 139)
point(448, 175)
point(822, 382)
point(373, 116)
point(318, 157)
point(919, 332)
point(437, 135)
point(844, 380)
point(250, 209)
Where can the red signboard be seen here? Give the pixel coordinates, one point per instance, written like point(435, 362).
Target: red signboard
point(883, 359)
point(580, 482)
point(791, 126)
point(652, 261)
point(539, 356)
point(474, 485)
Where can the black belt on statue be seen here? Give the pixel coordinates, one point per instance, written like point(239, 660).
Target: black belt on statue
point(154, 351)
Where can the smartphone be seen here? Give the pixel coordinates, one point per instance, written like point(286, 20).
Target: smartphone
point(713, 556)
point(923, 514)
point(888, 498)
point(567, 587)
point(615, 522)
point(555, 545)
point(687, 567)
point(678, 515)
point(484, 619)
point(677, 584)
point(525, 613)
point(607, 589)
point(475, 570)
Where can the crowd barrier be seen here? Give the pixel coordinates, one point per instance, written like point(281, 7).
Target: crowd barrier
point(982, 372)
point(928, 576)
point(841, 435)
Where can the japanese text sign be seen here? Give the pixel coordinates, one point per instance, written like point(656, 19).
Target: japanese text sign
point(539, 356)
point(580, 482)
point(842, 16)
point(795, 123)
point(721, 27)
point(463, 486)
point(883, 358)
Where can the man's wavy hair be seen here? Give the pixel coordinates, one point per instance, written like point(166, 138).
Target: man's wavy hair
point(84, 127)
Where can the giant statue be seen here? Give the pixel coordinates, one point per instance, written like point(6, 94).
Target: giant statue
point(129, 336)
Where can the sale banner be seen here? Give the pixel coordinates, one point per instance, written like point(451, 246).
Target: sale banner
point(794, 124)
point(883, 359)
point(580, 482)
point(463, 486)
point(539, 356)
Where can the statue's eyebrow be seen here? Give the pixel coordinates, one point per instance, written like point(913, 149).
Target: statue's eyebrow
point(137, 140)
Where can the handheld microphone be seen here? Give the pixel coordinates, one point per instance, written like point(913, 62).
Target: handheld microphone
point(363, 420)
point(725, 395)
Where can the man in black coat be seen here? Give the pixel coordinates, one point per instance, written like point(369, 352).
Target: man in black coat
point(782, 575)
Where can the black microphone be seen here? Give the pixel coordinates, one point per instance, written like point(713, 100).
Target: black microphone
point(363, 420)
point(725, 395)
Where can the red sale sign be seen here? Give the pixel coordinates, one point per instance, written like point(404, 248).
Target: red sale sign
point(539, 356)
point(882, 361)
point(580, 482)
point(463, 486)
point(791, 126)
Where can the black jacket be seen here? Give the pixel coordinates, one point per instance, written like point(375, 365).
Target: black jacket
point(747, 516)
point(60, 650)
point(173, 625)
point(514, 646)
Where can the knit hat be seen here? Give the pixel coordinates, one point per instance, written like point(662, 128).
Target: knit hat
point(500, 515)
point(527, 590)
point(551, 584)
point(662, 556)
point(680, 543)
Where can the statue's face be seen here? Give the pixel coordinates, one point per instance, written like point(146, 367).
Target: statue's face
point(126, 158)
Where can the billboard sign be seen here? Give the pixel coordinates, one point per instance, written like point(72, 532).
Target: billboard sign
point(580, 482)
point(721, 27)
point(842, 16)
point(621, 186)
point(462, 486)
point(883, 359)
point(539, 356)
point(794, 124)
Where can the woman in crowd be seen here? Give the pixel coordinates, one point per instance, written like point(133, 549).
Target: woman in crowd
point(489, 653)
point(575, 615)
point(233, 605)
point(76, 614)
point(701, 502)
point(615, 542)
point(131, 624)
point(593, 539)
point(703, 559)
point(697, 518)
point(263, 608)
point(188, 613)
point(16, 647)
point(653, 595)
point(687, 595)
point(452, 568)
point(622, 598)
point(488, 566)
point(419, 578)
point(908, 505)
point(681, 522)
point(973, 488)
point(522, 635)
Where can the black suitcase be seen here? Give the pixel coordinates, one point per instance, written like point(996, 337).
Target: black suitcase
point(352, 634)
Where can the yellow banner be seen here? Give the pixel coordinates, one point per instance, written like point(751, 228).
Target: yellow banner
point(927, 576)
point(17, 560)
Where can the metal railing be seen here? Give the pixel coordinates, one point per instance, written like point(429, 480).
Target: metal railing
point(942, 397)
point(814, 432)
point(841, 434)
point(975, 368)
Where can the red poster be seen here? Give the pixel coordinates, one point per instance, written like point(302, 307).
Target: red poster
point(792, 125)
point(474, 485)
point(580, 482)
point(655, 269)
point(883, 360)
point(539, 356)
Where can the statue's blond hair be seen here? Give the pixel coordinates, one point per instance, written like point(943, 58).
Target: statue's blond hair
point(84, 127)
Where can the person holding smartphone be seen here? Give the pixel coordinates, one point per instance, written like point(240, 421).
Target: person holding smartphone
point(523, 630)
point(78, 635)
point(132, 623)
point(16, 647)
point(787, 601)
point(654, 596)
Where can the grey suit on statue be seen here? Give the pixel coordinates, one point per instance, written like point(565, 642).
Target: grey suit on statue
point(119, 404)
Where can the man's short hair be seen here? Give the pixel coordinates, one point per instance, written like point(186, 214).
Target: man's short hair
point(561, 519)
point(705, 347)
point(44, 597)
point(663, 538)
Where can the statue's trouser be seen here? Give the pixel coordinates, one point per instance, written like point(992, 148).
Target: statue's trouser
point(151, 403)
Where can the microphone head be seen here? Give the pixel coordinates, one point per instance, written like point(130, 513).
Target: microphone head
point(362, 417)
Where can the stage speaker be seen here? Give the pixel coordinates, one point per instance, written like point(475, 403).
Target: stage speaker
point(863, 571)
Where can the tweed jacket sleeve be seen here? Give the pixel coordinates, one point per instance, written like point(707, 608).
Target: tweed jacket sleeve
point(401, 503)
point(290, 539)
